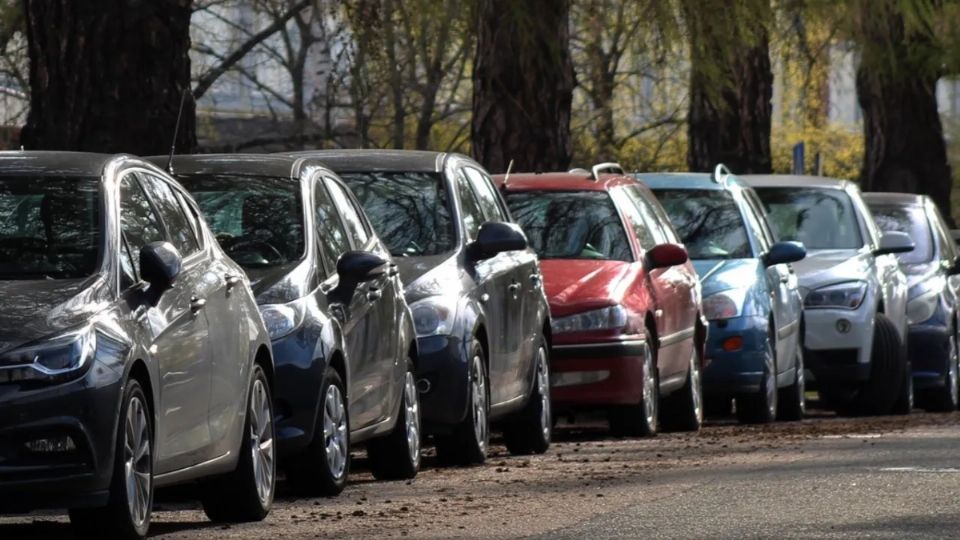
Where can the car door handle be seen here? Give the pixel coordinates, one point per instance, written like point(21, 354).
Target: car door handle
point(514, 287)
point(231, 281)
point(535, 279)
point(784, 279)
point(374, 294)
point(392, 270)
point(196, 304)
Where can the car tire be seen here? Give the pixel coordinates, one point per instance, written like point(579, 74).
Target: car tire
point(322, 469)
point(246, 494)
point(945, 398)
point(397, 456)
point(643, 419)
point(683, 410)
point(761, 407)
point(529, 432)
point(905, 397)
point(133, 456)
point(792, 401)
point(467, 444)
point(888, 366)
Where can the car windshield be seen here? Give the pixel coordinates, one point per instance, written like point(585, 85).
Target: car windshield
point(820, 218)
point(49, 227)
point(258, 220)
point(708, 221)
point(409, 210)
point(571, 225)
point(912, 221)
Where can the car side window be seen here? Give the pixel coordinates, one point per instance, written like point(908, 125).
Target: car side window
point(179, 229)
point(193, 217)
point(352, 218)
point(139, 223)
point(128, 271)
point(331, 235)
point(641, 228)
point(469, 206)
point(761, 214)
point(754, 223)
point(948, 249)
point(486, 195)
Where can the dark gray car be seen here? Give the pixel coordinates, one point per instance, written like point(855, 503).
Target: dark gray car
point(330, 295)
point(132, 354)
point(475, 290)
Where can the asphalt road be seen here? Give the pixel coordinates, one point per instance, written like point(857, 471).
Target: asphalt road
point(888, 477)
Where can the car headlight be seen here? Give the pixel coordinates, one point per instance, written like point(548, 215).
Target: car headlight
point(57, 358)
point(434, 316)
point(282, 319)
point(847, 295)
point(608, 318)
point(922, 307)
point(725, 304)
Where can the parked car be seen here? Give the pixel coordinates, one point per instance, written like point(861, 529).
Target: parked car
point(131, 359)
point(931, 270)
point(329, 292)
point(855, 295)
point(474, 287)
point(750, 294)
point(625, 301)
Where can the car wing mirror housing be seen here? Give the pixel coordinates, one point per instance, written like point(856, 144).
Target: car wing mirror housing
point(894, 242)
point(496, 237)
point(785, 252)
point(359, 266)
point(160, 264)
point(665, 256)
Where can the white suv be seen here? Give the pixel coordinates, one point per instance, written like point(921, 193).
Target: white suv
point(854, 292)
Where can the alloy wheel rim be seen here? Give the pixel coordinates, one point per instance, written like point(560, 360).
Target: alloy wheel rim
point(695, 384)
point(138, 463)
point(952, 372)
point(412, 417)
point(479, 404)
point(261, 442)
point(801, 383)
point(543, 387)
point(335, 432)
point(649, 389)
point(771, 381)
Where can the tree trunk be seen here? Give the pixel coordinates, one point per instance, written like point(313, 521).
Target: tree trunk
point(523, 85)
point(731, 85)
point(905, 149)
point(108, 75)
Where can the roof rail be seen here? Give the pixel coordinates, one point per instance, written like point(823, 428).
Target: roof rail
point(578, 170)
point(720, 173)
point(608, 166)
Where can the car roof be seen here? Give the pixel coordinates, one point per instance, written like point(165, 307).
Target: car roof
point(563, 181)
point(379, 160)
point(895, 199)
point(54, 163)
point(687, 180)
point(793, 180)
point(246, 164)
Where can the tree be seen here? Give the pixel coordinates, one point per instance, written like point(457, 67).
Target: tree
point(731, 84)
point(108, 75)
point(523, 83)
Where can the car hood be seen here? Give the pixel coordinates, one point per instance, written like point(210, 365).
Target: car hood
point(429, 276)
point(282, 284)
point(36, 309)
point(573, 286)
point(723, 274)
point(919, 272)
point(827, 266)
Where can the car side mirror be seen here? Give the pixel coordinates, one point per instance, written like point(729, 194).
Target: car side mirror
point(784, 252)
point(495, 237)
point(665, 256)
point(160, 264)
point(360, 266)
point(894, 242)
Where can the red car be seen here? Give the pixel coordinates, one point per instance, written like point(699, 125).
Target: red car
point(628, 336)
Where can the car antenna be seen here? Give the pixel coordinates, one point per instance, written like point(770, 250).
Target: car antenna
point(506, 177)
point(176, 131)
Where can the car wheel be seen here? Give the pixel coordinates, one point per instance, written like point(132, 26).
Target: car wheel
point(888, 367)
point(761, 407)
point(530, 430)
point(322, 470)
point(642, 419)
point(792, 401)
point(905, 397)
point(683, 411)
point(397, 456)
point(468, 443)
point(945, 399)
point(246, 494)
point(127, 514)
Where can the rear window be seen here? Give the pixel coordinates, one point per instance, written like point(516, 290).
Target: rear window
point(571, 225)
point(910, 220)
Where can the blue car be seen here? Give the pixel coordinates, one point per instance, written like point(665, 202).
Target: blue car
point(750, 294)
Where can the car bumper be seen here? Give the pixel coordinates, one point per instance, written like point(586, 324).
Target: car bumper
point(838, 343)
point(736, 371)
point(596, 374)
point(299, 365)
point(929, 347)
point(443, 379)
point(85, 410)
